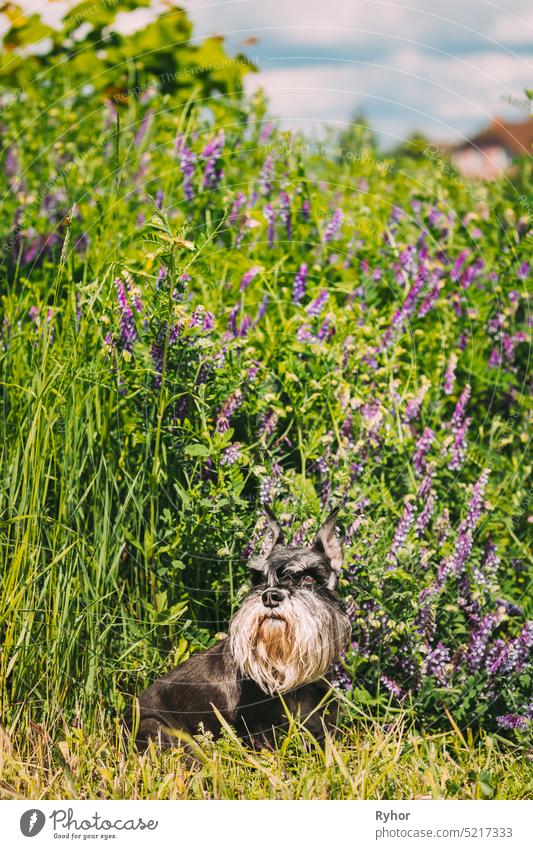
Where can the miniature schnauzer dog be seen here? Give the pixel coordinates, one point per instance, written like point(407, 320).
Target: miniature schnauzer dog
point(282, 642)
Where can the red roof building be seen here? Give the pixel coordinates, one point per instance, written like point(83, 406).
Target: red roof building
point(493, 149)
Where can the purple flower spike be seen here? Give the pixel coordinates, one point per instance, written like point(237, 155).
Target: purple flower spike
point(285, 212)
point(265, 178)
point(459, 445)
point(402, 530)
point(421, 449)
point(128, 331)
point(479, 640)
point(300, 280)
point(475, 507)
point(211, 154)
point(187, 163)
point(523, 271)
point(513, 721)
point(249, 276)
point(232, 404)
point(459, 427)
point(316, 306)
point(392, 687)
point(425, 516)
point(238, 204)
point(438, 663)
point(458, 265)
point(231, 455)
point(449, 377)
point(157, 355)
point(270, 215)
point(333, 226)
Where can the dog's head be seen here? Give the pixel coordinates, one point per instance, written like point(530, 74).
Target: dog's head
point(291, 626)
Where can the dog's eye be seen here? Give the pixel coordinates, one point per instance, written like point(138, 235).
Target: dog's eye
point(308, 580)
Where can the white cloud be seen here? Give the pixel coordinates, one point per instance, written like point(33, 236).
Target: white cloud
point(440, 95)
point(511, 29)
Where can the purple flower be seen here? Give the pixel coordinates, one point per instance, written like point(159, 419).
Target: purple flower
point(523, 644)
point(403, 313)
point(231, 405)
point(333, 226)
point(459, 427)
point(523, 271)
point(128, 331)
point(159, 198)
point(433, 293)
point(396, 214)
point(175, 332)
point(498, 657)
point(161, 275)
point(402, 530)
point(425, 515)
point(268, 423)
point(513, 721)
point(495, 358)
point(187, 163)
point(270, 215)
point(261, 310)
point(238, 204)
point(340, 678)
point(265, 178)
point(197, 317)
point(438, 663)
point(479, 639)
point(316, 306)
point(209, 321)
point(449, 377)
point(326, 330)
point(412, 408)
point(269, 484)
point(231, 455)
point(249, 276)
point(157, 354)
point(266, 132)
point(421, 449)
point(459, 445)
point(392, 687)
point(459, 262)
point(476, 504)
point(305, 210)
point(300, 280)
point(303, 334)
point(285, 212)
point(211, 154)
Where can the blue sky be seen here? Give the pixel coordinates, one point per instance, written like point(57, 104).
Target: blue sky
point(444, 68)
point(441, 67)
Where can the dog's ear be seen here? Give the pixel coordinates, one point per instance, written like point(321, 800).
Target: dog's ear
point(327, 542)
point(273, 537)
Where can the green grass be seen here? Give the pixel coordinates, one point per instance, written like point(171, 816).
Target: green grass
point(370, 761)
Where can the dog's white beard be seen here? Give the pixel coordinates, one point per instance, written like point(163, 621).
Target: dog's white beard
point(289, 646)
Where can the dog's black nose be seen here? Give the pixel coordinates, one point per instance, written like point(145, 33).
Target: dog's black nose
point(272, 597)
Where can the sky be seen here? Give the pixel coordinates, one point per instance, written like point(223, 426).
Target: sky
point(442, 67)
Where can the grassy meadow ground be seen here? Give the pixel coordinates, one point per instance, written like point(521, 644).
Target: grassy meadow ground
point(368, 762)
point(201, 314)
